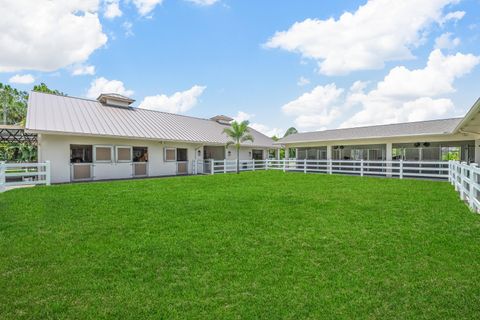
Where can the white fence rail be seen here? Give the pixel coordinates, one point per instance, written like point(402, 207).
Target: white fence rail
point(18, 174)
point(399, 169)
point(466, 180)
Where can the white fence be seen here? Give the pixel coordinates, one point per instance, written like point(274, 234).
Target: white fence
point(398, 169)
point(466, 180)
point(464, 177)
point(18, 174)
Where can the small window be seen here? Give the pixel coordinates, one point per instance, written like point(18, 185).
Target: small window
point(170, 154)
point(124, 154)
point(103, 153)
point(80, 153)
point(140, 154)
point(257, 154)
point(182, 154)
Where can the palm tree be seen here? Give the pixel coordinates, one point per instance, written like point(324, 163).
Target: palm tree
point(238, 132)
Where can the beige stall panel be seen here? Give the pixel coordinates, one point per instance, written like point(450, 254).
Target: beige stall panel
point(182, 167)
point(82, 172)
point(140, 169)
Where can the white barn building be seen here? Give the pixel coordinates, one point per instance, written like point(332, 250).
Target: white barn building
point(108, 139)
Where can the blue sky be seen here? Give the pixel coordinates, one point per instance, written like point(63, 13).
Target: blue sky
point(278, 63)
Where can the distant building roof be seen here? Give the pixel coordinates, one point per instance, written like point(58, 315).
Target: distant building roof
point(68, 115)
point(431, 127)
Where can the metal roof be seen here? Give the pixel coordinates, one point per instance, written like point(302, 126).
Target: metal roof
point(431, 127)
point(68, 115)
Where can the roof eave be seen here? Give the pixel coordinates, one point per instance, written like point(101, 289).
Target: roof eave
point(368, 138)
point(474, 110)
point(212, 143)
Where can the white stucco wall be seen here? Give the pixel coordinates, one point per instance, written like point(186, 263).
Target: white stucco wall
point(56, 149)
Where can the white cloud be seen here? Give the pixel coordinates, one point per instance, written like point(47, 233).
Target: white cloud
point(112, 9)
point(144, 7)
point(379, 31)
point(303, 81)
point(179, 102)
point(46, 35)
point(403, 95)
point(266, 130)
point(22, 79)
point(102, 85)
point(435, 79)
point(413, 95)
point(203, 2)
point(446, 41)
point(455, 16)
point(243, 116)
point(316, 108)
point(81, 70)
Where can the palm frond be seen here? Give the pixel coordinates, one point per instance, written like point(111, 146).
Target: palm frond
point(247, 137)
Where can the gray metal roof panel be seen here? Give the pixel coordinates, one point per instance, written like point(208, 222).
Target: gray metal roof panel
point(430, 127)
point(63, 114)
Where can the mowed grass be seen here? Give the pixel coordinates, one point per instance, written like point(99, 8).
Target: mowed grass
point(256, 245)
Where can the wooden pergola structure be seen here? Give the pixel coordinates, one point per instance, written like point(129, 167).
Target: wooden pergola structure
point(16, 134)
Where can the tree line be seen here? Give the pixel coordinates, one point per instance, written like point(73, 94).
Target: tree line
point(13, 102)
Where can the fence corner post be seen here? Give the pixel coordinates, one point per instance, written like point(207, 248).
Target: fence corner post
point(2, 176)
point(47, 173)
point(400, 170)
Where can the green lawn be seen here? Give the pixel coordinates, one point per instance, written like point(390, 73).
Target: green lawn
point(256, 245)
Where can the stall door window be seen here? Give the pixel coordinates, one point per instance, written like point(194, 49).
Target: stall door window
point(182, 154)
point(257, 154)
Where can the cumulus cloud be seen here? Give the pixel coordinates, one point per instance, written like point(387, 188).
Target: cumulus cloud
point(179, 102)
point(403, 95)
point(413, 95)
point(81, 70)
point(112, 9)
point(46, 35)
point(316, 108)
point(377, 32)
point(145, 7)
point(203, 2)
point(266, 130)
point(102, 85)
point(22, 79)
point(446, 41)
point(243, 116)
point(263, 128)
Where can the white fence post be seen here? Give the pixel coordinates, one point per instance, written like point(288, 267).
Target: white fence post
point(330, 166)
point(400, 169)
point(253, 165)
point(2, 176)
point(305, 166)
point(266, 164)
point(284, 163)
point(471, 193)
point(47, 173)
point(361, 168)
point(224, 165)
point(212, 167)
